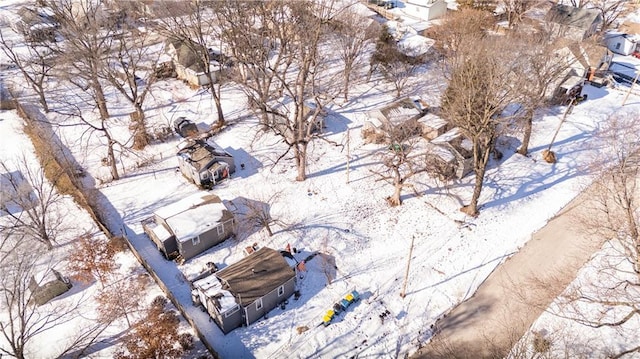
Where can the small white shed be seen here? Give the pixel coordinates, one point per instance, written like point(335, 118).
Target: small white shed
point(623, 44)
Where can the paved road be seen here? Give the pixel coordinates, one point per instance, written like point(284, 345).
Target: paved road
point(516, 293)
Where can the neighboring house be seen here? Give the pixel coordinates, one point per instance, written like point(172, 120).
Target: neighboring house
point(622, 44)
point(401, 115)
point(573, 23)
point(285, 108)
point(190, 226)
point(187, 57)
point(583, 63)
point(425, 9)
point(454, 152)
point(154, 9)
point(204, 164)
point(35, 24)
point(16, 194)
point(47, 286)
point(247, 290)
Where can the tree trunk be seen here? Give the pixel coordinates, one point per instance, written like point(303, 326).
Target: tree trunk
point(633, 233)
point(44, 236)
point(111, 157)
point(140, 136)
point(218, 104)
point(526, 137)
point(481, 154)
point(347, 79)
point(395, 199)
point(101, 102)
point(39, 88)
point(301, 161)
point(268, 228)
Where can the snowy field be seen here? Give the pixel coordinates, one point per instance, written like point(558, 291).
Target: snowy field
point(364, 243)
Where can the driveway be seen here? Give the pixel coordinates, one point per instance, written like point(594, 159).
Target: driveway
point(517, 292)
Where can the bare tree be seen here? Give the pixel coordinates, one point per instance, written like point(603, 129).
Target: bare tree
point(256, 213)
point(610, 10)
point(36, 65)
point(459, 27)
point(543, 64)
point(88, 39)
point(155, 336)
point(515, 10)
point(121, 298)
point(488, 6)
point(131, 71)
point(296, 31)
point(403, 159)
point(611, 297)
point(579, 3)
point(480, 87)
point(22, 320)
point(195, 28)
point(37, 215)
point(258, 50)
point(92, 258)
point(100, 126)
point(353, 33)
point(393, 61)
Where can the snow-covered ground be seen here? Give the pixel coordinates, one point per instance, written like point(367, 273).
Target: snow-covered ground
point(351, 224)
point(364, 243)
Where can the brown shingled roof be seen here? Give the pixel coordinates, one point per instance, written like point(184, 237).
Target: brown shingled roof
point(256, 275)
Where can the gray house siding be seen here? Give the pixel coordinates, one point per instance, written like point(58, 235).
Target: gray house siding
point(187, 170)
point(167, 246)
point(217, 234)
point(269, 301)
point(227, 322)
point(195, 166)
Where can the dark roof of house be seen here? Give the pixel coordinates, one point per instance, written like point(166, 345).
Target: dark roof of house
point(200, 154)
point(187, 53)
point(256, 275)
point(572, 16)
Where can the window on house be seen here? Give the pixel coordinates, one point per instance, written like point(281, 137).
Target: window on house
point(618, 46)
point(280, 291)
point(195, 240)
point(220, 229)
point(259, 304)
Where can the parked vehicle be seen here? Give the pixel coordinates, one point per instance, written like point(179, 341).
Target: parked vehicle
point(185, 127)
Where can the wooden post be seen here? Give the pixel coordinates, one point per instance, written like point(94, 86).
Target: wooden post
point(403, 293)
point(564, 117)
point(630, 88)
point(348, 151)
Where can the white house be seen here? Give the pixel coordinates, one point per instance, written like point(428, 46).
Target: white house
point(425, 9)
point(187, 59)
point(623, 44)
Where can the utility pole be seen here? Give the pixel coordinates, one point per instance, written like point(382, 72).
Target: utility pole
point(403, 293)
point(348, 152)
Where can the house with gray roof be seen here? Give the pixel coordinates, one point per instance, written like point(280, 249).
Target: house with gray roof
point(573, 23)
point(204, 163)
point(247, 290)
